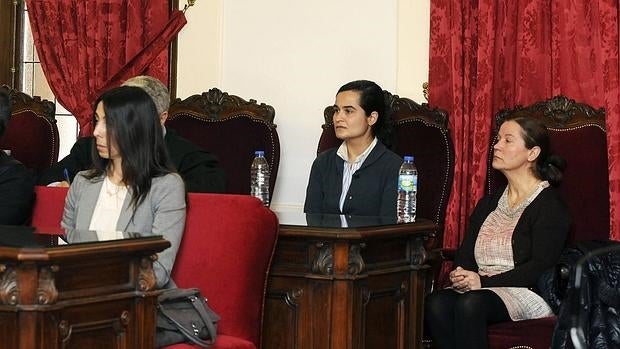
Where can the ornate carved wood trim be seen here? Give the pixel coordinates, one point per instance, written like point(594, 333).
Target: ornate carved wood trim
point(9, 293)
point(292, 297)
point(365, 295)
point(403, 109)
point(218, 105)
point(146, 276)
point(47, 292)
point(323, 262)
point(293, 312)
point(557, 112)
point(21, 102)
point(419, 255)
point(64, 330)
point(356, 261)
point(123, 321)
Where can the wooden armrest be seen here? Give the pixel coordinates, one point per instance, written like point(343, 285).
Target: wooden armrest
point(442, 254)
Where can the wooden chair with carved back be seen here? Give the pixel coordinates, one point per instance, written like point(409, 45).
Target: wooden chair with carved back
point(231, 128)
point(32, 134)
point(578, 134)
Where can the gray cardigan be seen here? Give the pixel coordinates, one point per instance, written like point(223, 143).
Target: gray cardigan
point(161, 213)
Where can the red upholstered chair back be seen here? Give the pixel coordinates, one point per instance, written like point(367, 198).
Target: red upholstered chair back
point(578, 134)
point(232, 129)
point(49, 204)
point(420, 131)
point(32, 133)
point(226, 252)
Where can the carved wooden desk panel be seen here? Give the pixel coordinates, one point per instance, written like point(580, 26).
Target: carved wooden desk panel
point(347, 288)
point(91, 295)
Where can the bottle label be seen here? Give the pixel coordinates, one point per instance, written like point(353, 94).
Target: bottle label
point(407, 182)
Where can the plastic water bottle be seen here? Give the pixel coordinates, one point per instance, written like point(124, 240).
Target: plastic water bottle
point(259, 177)
point(407, 190)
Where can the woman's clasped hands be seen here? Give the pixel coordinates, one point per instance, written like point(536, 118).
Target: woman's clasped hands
point(464, 280)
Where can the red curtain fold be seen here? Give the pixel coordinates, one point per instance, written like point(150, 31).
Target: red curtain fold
point(144, 58)
point(86, 46)
point(488, 55)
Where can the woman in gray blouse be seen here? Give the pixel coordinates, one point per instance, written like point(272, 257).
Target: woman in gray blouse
point(132, 187)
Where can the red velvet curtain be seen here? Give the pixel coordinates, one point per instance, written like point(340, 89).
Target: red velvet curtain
point(88, 46)
point(486, 55)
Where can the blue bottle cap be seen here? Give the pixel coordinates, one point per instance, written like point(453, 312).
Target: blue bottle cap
point(259, 153)
point(408, 158)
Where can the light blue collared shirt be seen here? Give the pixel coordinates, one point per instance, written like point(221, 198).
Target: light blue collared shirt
point(351, 167)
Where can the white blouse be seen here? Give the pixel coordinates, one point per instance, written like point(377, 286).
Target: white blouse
point(108, 210)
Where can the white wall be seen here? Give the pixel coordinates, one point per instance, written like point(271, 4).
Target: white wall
point(294, 55)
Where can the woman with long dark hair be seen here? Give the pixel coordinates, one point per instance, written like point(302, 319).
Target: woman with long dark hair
point(132, 188)
point(359, 177)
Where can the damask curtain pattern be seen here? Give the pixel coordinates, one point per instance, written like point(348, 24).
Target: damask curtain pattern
point(87, 46)
point(488, 55)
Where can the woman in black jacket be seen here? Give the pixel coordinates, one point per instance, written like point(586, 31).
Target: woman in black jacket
point(359, 177)
point(513, 236)
point(16, 181)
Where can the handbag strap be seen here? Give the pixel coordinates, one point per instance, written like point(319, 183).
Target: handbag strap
point(202, 310)
point(189, 334)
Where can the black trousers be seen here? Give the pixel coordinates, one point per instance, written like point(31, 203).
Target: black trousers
point(460, 320)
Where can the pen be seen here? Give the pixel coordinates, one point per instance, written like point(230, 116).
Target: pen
point(66, 174)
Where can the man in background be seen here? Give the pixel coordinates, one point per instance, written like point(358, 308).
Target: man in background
point(199, 169)
point(16, 181)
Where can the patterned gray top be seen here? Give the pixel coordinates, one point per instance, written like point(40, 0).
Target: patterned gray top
point(493, 253)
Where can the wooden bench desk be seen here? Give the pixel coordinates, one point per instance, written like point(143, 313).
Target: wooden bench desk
point(87, 295)
point(356, 287)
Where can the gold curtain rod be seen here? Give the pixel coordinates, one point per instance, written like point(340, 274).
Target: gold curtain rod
point(189, 4)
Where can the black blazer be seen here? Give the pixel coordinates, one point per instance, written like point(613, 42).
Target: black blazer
point(16, 191)
point(199, 169)
point(537, 241)
point(373, 189)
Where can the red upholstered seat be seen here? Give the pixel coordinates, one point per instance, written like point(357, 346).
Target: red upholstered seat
point(226, 252)
point(49, 204)
point(222, 342)
point(232, 129)
point(32, 133)
point(534, 334)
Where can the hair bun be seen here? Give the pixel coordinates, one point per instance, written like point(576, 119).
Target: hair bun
point(556, 161)
point(551, 169)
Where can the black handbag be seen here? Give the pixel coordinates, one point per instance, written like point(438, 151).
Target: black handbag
point(184, 316)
